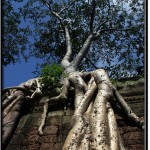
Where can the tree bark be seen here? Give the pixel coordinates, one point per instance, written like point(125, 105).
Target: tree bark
point(11, 119)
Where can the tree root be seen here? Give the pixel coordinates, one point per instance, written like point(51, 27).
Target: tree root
point(132, 116)
point(11, 119)
point(94, 121)
point(8, 100)
point(113, 129)
point(40, 130)
point(121, 146)
point(12, 104)
point(95, 128)
point(9, 107)
point(60, 98)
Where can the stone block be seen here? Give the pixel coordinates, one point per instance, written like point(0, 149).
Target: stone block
point(17, 139)
point(135, 147)
point(14, 147)
point(47, 146)
point(48, 139)
point(56, 113)
point(134, 138)
point(53, 121)
point(32, 121)
point(58, 146)
point(31, 131)
point(30, 139)
point(69, 112)
point(53, 129)
point(22, 121)
point(66, 119)
point(31, 147)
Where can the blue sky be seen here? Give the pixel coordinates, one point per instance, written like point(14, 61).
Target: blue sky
point(13, 75)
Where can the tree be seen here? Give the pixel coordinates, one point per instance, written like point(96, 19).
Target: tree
point(104, 26)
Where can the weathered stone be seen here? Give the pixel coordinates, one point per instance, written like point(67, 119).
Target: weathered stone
point(36, 115)
point(22, 121)
point(33, 121)
point(66, 119)
point(58, 146)
point(31, 147)
point(47, 146)
point(53, 120)
point(56, 113)
point(134, 137)
point(14, 147)
point(30, 139)
point(53, 129)
point(48, 138)
point(32, 131)
point(69, 112)
point(135, 147)
point(17, 139)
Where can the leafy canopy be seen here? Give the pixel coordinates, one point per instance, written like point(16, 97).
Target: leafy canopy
point(40, 33)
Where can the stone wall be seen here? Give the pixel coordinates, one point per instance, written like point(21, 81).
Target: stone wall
point(58, 122)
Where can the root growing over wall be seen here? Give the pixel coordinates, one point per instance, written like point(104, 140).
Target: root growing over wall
point(94, 121)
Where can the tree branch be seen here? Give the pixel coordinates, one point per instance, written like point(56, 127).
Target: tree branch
point(97, 35)
point(67, 7)
point(113, 29)
point(83, 51)
point(98, 28)
point(66, 60)
point(92, 15)
point(17, 88)
point(89, 60)
point(54, 13)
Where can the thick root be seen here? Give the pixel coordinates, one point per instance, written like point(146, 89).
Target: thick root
point(11, 119)
point(85, 101)
point(13, 100)
point(9, 107)
point(131, 115)
point(99, 124)
point(75, 136)
point(95, 125)
point(113, 129)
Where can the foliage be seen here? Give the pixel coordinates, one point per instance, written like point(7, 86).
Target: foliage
point(124, 49)
point(51, 75)
point(15, 34)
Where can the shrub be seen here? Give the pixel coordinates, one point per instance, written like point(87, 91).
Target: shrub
point(51, 75)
